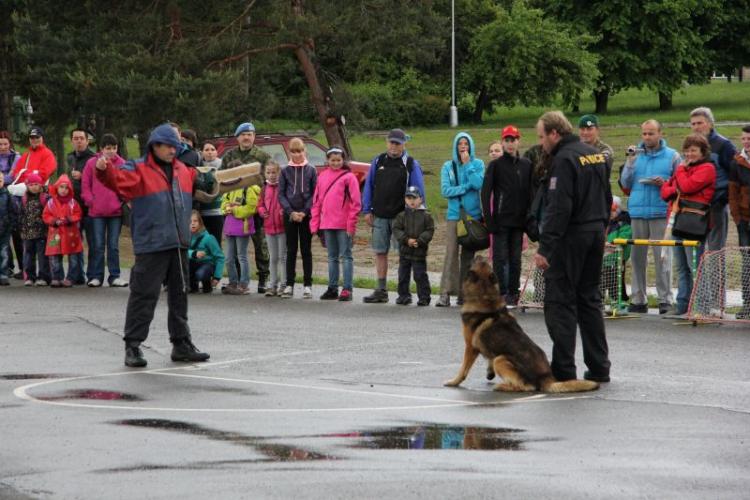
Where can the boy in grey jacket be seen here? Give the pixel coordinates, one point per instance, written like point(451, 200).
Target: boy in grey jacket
point(413, 229)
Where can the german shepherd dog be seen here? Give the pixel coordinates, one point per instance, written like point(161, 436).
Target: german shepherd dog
point(489, 329)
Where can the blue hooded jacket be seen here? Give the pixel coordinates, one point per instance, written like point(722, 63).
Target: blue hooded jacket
point(463, 191)
point(645, 199)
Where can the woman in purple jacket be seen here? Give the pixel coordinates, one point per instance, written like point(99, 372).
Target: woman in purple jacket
point(105, 210)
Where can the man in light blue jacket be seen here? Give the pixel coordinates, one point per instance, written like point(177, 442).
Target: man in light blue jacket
point(460, 182)
point(647, 167)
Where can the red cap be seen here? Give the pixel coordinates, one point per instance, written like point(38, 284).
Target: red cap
point(510, 131)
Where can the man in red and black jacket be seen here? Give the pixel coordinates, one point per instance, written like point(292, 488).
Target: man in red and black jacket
point(159, 188)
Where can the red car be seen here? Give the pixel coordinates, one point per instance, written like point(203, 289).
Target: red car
point(277, 146)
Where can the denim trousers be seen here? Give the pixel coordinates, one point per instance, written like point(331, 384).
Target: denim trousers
point(743, 231)
point(339, 245)
point(76, 274)
point(237, 250)
point(683, 261)
point(277, 258)
point(105, 230)
point(33, 254)
point(56, 265)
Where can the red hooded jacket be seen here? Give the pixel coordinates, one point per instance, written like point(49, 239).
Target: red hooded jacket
point(62, 216)
point(40, 161)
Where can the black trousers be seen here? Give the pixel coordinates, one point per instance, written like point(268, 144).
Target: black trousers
point(298, 235)
point(419, 268)
point(146, 277)
point(506, 251)
point(572, 297)
point(215, 226)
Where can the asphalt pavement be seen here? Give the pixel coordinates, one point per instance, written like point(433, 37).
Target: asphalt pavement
point(313, 399)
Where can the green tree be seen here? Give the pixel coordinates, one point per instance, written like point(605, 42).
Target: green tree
point(521, 57)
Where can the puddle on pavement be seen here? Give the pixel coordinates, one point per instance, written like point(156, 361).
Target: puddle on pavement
point(90, 394)
point(31, 376)
point(439, 437)
point(273, 452)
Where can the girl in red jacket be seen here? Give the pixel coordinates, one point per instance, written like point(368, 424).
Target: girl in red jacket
point(62, 214)
point(272, 213)
point(336, 204)
point(694, 180)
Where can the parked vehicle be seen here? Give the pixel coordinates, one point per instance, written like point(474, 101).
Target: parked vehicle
point(276, 145)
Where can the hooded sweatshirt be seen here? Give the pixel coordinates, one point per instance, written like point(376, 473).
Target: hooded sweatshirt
point(336, 202)
point(100, 200)
point(40, 161)
point(271, 210)
point(507, 192)
point(462, 192)
point(296, 187)
point(62, 214)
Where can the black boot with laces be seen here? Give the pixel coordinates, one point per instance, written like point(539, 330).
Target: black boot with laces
point(134, 357)
point(184, 350)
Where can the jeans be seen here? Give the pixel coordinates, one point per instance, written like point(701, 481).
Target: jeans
point(105, 229)
point(683, 257)
point(506, 250)
point(201, 272)
point(75, 274)
point(56, 264)
point(277, 258)
point(339, 245)
point(237, 251)
point(4, 254)
point(33, 253)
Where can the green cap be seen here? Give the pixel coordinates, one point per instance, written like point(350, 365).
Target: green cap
point(587, 121)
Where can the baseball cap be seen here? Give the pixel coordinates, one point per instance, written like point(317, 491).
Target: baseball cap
point(244, 127)
point(36, 132)
point(587, 121)
point(510, 131)
point(397, 135)
point(413, 192)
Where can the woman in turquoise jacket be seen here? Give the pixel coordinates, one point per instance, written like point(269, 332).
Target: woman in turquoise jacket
point(460, 182)
point(205, 256)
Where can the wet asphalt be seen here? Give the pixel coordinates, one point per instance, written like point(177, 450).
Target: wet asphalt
point(311, 399)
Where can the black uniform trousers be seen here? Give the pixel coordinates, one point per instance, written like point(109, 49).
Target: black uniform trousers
point(146, 277)
point(572, 297)
point(419, 267)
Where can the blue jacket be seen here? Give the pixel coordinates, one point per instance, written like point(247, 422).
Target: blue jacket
point(7, 212)
point(722, 155)
point(413, 178)
point(463, 191)
point(645, 199)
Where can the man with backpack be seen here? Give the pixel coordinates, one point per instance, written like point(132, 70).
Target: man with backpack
point(391, 173)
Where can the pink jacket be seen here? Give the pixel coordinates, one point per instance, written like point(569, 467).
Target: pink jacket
point(102, 201)
point(269, 205)
point(336, 202)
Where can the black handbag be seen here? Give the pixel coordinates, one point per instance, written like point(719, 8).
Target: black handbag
point(691, 220)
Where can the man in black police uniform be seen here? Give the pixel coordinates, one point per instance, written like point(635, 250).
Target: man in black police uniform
point(571, 248)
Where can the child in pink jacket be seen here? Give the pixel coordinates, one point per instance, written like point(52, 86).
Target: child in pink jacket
point(336, 204)
point(272, 213)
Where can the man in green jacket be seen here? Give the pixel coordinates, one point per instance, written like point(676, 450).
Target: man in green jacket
point(247, 152)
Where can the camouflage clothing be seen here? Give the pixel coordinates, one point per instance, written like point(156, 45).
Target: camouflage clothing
point(607, 151)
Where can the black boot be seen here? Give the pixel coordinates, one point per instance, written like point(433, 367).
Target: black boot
point(184, 350)
point(134, 357)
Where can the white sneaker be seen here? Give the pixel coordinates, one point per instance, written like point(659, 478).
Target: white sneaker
point(118, 282)
point(28, 283)
point(94, 283)
point(40, 283)
point(287, 293)
point(307, 293)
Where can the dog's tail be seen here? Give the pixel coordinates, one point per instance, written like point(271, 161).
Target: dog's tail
point(553, 386)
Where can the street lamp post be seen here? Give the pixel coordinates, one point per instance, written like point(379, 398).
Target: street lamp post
point(454, 109)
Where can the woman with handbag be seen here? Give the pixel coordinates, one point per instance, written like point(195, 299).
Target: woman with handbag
point(460, 182)
point(689, 192)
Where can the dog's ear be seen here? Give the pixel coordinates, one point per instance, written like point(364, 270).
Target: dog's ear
point(471, 276)
point(492, 278)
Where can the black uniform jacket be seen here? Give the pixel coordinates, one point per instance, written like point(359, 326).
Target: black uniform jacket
point(579, 195)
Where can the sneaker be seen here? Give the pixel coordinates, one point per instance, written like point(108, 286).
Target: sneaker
point(376, 297)
point(94, 283)
point(55, 284)
point(307, 293)
point(664, 308)
point(279, 290)
point(228, 289)
point(4, 282)
point(18, 275)
point(674, 311)
point(403, 300)
point(423, 302)
point(511, 300)
point(66, 283)
point(345, 295)
point(261, 288)
point(288, 292)
point(596, 378)
point(208, 288)
point(28, 283)
point(460, 301)
point(271, 292)
point(118, 282)
point(134, 357)
point(330, 294)
point(743, 313)
point(236, 290)
point(443, 301)
point(638, 308)
point(40, 282)
point(184, 350)
point(244, 289)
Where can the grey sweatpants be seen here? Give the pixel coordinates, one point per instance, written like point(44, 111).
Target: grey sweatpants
point(650, 229)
